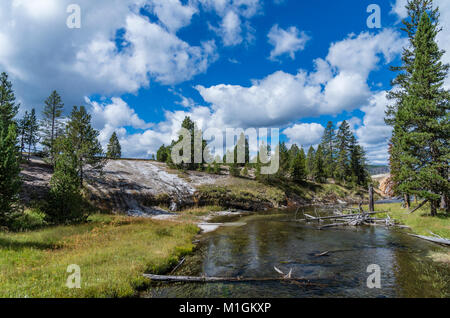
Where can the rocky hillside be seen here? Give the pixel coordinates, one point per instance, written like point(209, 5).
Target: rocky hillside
point(138, 186)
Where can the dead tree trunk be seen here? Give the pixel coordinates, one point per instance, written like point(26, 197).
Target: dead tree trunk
point(407, 201)
point(371, 200)
point(417, 208)
point(433, 207)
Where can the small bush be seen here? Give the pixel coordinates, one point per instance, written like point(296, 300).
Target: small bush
point(27, 221)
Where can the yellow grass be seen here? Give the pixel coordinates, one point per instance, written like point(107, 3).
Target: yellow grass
point(113, 252)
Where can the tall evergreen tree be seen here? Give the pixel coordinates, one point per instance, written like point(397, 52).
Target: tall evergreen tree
point(343, 138)
point(358, 168)
point(285, 163)
point(31, 129)
point(162, 154)
point(421, 121)
point(9, 152)
point(299, 167)
point(319, 167)
point(415, 9)
point(9, 171)
point(8, 106)
point(190, 126)
point(310, 162)
point(114, 150)
point(22, 131)
point(65, 202)
point(242, 144)
point(329, 151)
point(83, 137)
point(51, 124)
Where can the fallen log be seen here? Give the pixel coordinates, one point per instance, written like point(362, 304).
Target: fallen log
point(340, 216)
point(433, 239)
point(418, 207)
point(331, 225)
point(204, 279)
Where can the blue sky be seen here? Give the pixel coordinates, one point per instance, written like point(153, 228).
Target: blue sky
point(140, 66)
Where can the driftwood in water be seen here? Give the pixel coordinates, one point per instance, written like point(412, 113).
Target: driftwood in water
point(195, 279)
point(332, 225)
point(340, 216)
point(417, 208)
point(433, 239)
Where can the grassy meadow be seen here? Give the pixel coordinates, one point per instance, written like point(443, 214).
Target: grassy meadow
point(112, 251)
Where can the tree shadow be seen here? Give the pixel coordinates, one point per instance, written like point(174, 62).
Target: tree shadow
point(18, 246)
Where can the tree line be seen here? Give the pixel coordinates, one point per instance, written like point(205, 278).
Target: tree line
point(338, 156)
point(69, 145)
point(419, 114)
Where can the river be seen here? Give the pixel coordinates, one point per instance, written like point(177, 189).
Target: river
point(275, 239)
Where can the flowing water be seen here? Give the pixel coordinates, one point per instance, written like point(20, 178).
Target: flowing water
point(277, 239)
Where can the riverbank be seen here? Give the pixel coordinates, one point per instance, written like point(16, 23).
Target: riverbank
point(421, 223)
point(112, 251)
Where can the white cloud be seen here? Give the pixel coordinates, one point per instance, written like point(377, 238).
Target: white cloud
point(374, 134)
point(116, 116)
point(230, 29)
point(42, 54)
point(173, 14)
point(287, 41)
point(305, 135)
point(338, 83)
point(153, 51)
point(234, 27)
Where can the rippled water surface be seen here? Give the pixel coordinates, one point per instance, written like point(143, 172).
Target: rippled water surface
point(277, 239)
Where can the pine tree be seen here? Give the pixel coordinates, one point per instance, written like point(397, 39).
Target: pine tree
point(359, 174)
point(285, 163)
point(421, 122)
point(242, 145)
point(114, 150)
point(329, 151)
point(65, 202)
point(310, 162)
point(162, 154)
point(299, 167)
point(319, 168)
point(415, 9)
point(83, 137)
point(343, 138)
point(31, 129)
point(8, 106)
point(51, 123)
point(10, 182)
point(22, 131)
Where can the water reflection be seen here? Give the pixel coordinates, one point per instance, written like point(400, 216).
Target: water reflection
point(276, 240)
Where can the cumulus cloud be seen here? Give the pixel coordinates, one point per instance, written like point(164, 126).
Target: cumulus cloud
point(374, 134)
point(116, 116)
point(338, 83)
point(305, 135)
point(234, 27)
point(42, 54)
point(287, 41)
point(173, 14)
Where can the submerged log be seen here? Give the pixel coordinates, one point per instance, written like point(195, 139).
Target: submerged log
point(341, 216)
point(433, 239)
point(204, 279)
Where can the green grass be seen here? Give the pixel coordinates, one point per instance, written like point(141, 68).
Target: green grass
point(420, 221)
point(113, 252)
